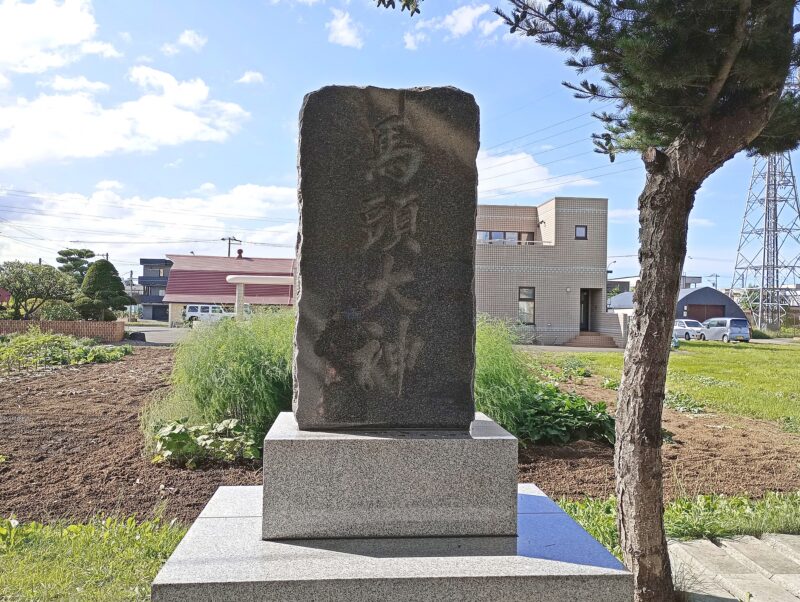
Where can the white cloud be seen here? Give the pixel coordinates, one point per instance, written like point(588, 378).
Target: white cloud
point(46, 34)
point(74, 84)
point(519, 175)
point(459, 22)
point(188, 39)
point(108, 185)
point(251, 77)
point(701, 222)
point(206, 188)
point(75, 125)
point(125, 37)
point(123, 225)
point(174, 164)
point(4, 82)
point(488, 26)
point(413, 40)
point(342, 30)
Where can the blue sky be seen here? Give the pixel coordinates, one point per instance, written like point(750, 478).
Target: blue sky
point(144, 128)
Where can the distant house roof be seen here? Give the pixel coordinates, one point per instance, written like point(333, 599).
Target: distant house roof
point(5, 296)
point(144, 261)
point(201, 279)
point(703, 295)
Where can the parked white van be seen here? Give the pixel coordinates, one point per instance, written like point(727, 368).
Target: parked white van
point(211, 313)
point(727, 329)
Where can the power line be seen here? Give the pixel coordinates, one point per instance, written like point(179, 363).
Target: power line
point(538, 154)
point(507, 173)
point(531, 133)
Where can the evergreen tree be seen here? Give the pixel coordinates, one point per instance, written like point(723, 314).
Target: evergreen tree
point(692, 84)
point(102, 290)
point(75, 262)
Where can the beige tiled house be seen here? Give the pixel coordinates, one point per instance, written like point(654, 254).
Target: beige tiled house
point(544, 268)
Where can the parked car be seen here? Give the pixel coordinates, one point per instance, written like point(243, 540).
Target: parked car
point(211, 313)
point(727, 329)
point(690, 329)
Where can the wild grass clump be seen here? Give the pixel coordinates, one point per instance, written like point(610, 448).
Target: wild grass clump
point(231, 369)
point(508, 390)
point(701, 516)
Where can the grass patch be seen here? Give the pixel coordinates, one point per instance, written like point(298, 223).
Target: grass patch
point(692, 518)
point(756, 380)
point(508, 388)
point(230, 369)
point(109, 559)
point(683, 402)
point(34, 349)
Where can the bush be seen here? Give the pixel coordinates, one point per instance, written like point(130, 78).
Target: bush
point(58, 311)
point(507, 389)
point(230, 369)
point(35, 349)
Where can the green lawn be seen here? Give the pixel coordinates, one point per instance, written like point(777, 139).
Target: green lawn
point(757, 380)
point(118, 559)
point(101, 560)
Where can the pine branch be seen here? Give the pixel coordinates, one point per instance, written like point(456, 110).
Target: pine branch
point(739, 35)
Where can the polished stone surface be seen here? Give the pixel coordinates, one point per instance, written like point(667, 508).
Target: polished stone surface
point(389, 483)
point(386, 309)
point(223, 558)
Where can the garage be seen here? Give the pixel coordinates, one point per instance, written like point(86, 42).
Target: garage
point(701, 303)
point(704, 312)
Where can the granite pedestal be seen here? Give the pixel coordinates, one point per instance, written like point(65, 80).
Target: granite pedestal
point(223, 558)
point(389, 483)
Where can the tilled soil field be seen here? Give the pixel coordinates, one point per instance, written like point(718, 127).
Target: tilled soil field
point(73, 449)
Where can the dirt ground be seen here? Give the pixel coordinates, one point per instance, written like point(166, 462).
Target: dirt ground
point(711, 453)
point(73, 448)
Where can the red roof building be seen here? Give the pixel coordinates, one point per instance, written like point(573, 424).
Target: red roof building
point(5, 297)
point(202, 279)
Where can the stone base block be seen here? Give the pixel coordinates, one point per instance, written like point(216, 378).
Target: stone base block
point(390, 483)
point(223, 558)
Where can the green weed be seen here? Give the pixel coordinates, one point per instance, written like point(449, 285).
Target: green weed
point(192, 445)
point(701, 516)
point(508, 389)
point(35, 349)
point(104, 559)
point(610, 383)
point(683, 402)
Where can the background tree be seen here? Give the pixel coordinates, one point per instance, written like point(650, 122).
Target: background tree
point(692, 84)
point(31, 285)
point(102, 290)
point(75, 262)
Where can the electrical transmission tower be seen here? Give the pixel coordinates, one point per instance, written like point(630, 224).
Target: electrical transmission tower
point(768, 260)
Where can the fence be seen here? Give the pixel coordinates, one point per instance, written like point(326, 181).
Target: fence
point(106, 332)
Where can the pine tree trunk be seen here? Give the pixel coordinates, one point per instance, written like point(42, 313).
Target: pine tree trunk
point(664, 207)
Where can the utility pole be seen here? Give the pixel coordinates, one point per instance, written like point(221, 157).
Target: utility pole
point(230, 239)
point(715, 277)
point(130, 292)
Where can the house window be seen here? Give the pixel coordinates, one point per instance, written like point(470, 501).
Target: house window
point(483, 236)
point(512, 238)
point(527, 304)
point(526, 238)
point(581, 233)
point(497, 238)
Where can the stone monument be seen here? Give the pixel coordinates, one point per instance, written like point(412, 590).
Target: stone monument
point(383, 483)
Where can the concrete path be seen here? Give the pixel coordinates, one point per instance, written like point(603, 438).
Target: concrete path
point(565, 349)
point(750, 569)
point(159, 335)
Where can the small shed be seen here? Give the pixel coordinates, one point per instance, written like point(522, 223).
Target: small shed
point(699, 304)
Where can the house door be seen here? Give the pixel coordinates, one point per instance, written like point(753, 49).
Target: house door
point(585, 297)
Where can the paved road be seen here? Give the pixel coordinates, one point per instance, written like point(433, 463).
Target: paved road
point(159, 335)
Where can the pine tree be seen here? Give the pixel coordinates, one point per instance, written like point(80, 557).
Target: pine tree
point(102, 290)
point(692, 83)
point(75, 262)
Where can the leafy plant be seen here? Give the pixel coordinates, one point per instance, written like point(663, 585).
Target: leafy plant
point(58, 311)
point(683, 402)
point(610, 383)
point(573, 367)
point(507, 389)
point(35, 349)
point(178, 442)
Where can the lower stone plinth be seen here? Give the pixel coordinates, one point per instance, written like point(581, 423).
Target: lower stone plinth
point(389, 483)
point(223, 558)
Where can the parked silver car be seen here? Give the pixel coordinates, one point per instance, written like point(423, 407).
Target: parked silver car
point(727, 329)
point(689, 329)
